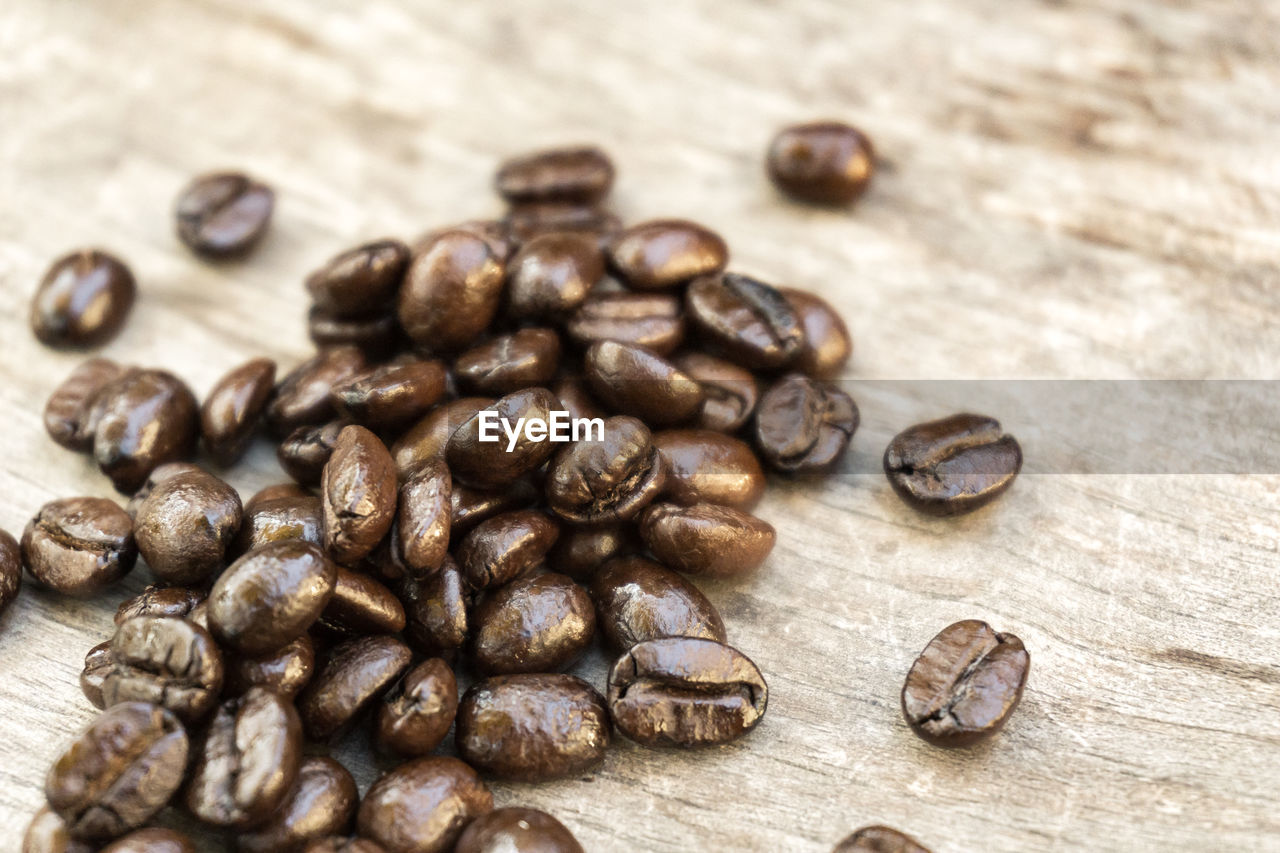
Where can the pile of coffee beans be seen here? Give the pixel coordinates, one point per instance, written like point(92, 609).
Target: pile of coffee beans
point(515, 437)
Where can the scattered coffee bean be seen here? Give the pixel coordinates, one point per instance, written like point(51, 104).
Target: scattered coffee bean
point(232, 411)
point(607, 480)
point(322, 801)
point(304, 396)
point(666, 253)
point(78, 546)
point(582, 175)
point(186, 525)
point(83, 300)
point(423, 519)
point(97, 663)
point(360, 281)
point(423, 805)
point(953, 465)
point(304, 452)
point(167, 661)
point(418, 710)
point(10, 570)
point(827, 344)
point(749, 321)
point(223, 214)
point(551, 275)
point(287, 519)
point(48, 833)
point(505, 547)
point(729, 392)
point(361, 605)
point(707, 539)
point(582, 549)
point(517, 830)
point(392, 396)
point(451, 291)
point(711, 467)
point(535, 624)
point(493, 464)
point(285, 671)
point(825, 162)
point(632, 380)
point(358, 489)
point(879, 839)
point(651, 320)
point(270, 596)
point(638, 600)
point(66, 414)
point(509, 363)
point(803, 426)
point(356, 673)
point(427, 439)
point(153, 839)
point(141, 421)
point(436, 611)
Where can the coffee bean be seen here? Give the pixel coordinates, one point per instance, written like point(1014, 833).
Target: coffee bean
point(729, 392)
point(175, 601)
point(10, 570)
point(232, 411)
point(707, 539)
point(638, 600)
point(666, 253)
point(341, 844)
point(322, 801)
point(66, 414)
point(361, 605)
point(186, 525)
point(280, 520)
point(469, 507)
point(423, 805)
point(358, 489)
point(825, 162)
point(274, 492)
point(965, 684)
point(607, 480)
point(582, 549)
point(528, 221)
point(535, 624)
point(285, 671)
point(78, 546)
point(494, 232)
point(685, 692)
point(451, 291)
point(582, 175)
point(551, 275)
point(416, 713)
point(953, 465)
point(249, 761)
point(423, 519)
point(376, 336)
point(505, 547)
point(355, 674)
point(166, 661)
point(427, 439)
point(223, 214)
point(435, 611)
point(119, 772)
point(97, 663)
point(509, 363)
point(303, 397)
point(576, 399)
point(48, 833)
point(749, 321)
point(517, 830)
point(632, 380)
point(157, 476)
point(360, 281)
point(490, 464)
point(83, 300)
point(141, 421)
point(304, 452)
point(803, 426)
point(704, 466)
point(392, 396)
point(151, 840)
point(532, 728)
point(270, 596)
point(879, 839)
point(651, 320)
point(827, 344)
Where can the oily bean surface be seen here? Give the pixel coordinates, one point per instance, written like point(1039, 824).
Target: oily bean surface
point(304, 395)
point(355, 674)
point(78, 546)
point(749, 321)
point(141, 421)
point(534, 624)
point(361, 605)
point(10, 570)
point(824, 162)
point(451, 292)
point(417, 712)
point(175, 601)
point(637, 600)
point(469, 507)
point(223, 214)
point(274, 491)
point(186, 526)
point(582, 175)
point(157, 476)
point(708, 466)
point(506, 364)
point(358, 488)
point(304, 452)
point(879, 839)
point(66, 414)
point(803, 426)
point(551, 275)
point(285, 671)
point(97, 663)
point(427, 440)
point(505, 547)
point(953, 465)
point(436, 610)
point(153, 839)
point(270, 596)
point(423, 805)
point(489, 464)
point(517, 830)
point(582, 549)
point(707, 539)
point(424, 518)
point(666, 253)
point(651, 320)
point(392, 396)
point(827, 344)
point(632, 380)
point(230, 415)
point(83, 300)
point(280, 520)
point(167, 661)
point(360, 281)
point(729, 392)
point(607, 480)
point(575, 398)
point(322, 802)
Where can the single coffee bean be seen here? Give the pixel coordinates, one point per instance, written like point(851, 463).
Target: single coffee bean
point(322, 801)
point(749, 321)
point(423, 805)
point(273, 492)
point(10, 570)
point(469, 507)
point(167, 661)
point(493, 464)
point(376, 336)
point(534, 624)
point(304, 452)
point(451, 292)
point(666, 253)
point(303, 397)
point(83, 300)
point(685, 692)
point(141, 421)
point(296, 519)
point(232, 411)
point(416, 713)
point(509, 363)
point(711, 467)
point(361, 605)
point(632, 380)
point(607, 480)
point(505, 547)
point(707, 539)
point(729, 392)
point(582, 175)
point(249, 761)
point(803, 426)
point(965, 684)
point(638, 600)
point(576, 399)
point(78, 546)
point(270, 596)
point(427, 439)
point(953, 465)
point(157, 476)
point(285, 671)
point(223, 214)
point(186, 526)
point(356, 673)
point(551, 275)
point(343, 844)
point(97, 663)
point(825, 162)
point(392, 396)
point(827, 344)
point(153, 839)
point(532, 728)
point(436, 611)
point(360, 281)
point(517, 830)
point(423, 518)
point(651, 320)
point(175, 601)
point(119, 772)
point(879, 839)
point(358, 490)
point(582, 549)
point(66, 415)
point(48, 833)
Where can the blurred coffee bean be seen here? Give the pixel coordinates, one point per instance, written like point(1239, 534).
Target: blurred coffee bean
point(517, 830)
point(361, 605)
point(499, 462)
point(704, 466)
point(78, 546)
point(469, 507)
point(505, 547)
point(360, 281)
point(803, 426)
point(666, 253)
point(530, 220)
point(167, 661)
point(392, 396)
point(423, 518)
point(494, 232)
point(97, 663)
point(611, 479)
point(175, 601)
point(435, 611)
point(428, 438)
point(48, 833)
point(83, 300)
point(422, 806)
point(825, 162)
point(879, 839)
point(707, 539)
point(638, 600)
point(280, 520)
point(153, 839)
point(141, 421)
point(10, 570)
point(185, 527)
point(575, 398)
point(376, 336)
point(322, 801)
point(285, 671)
point(729, 392)
point(652, 320)
point(343, 844)
point(66, 414)
point(953, 465)
point(632, 380)
point(509, 363)
point(304, 452)
point(582, 549)
point(550, 277)
point(231, 413)
point(582, 175)
point(358, 490)
point(535, 624)
point(273, 492)
point(303, 397)
point(417, 712)
point(451, 291)
point(223, 214)
point(270, 596)
point(827, 344)
point(355, 674)
point(751, 322)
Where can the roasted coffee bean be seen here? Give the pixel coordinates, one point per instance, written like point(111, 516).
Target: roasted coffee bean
point(707, 539)
point(530, 220)
point(803, 426)
point(505, 547)
point(436, 610)
point(285, 671)
point(965, 684)
point(423, 805)
point(517, 830)
point(305, 451)
point(825, 162)
point(685, 692)
point(751, 322)
point(232, 411)
point(273, 492)
point(711, 467)
point(607, 480)
point(493, 231)
point(879, 839)
point(78, 546)
point(361, 605)
point(280, 520)
point(119, 772)
point(270, 596)
point(66, 415)
point(303, 397)
point(249, 761)
point(428, 438)
point(497, 463)
point(953, 465)
point(175, 601)
point(582, 175)
point(551, 275)
point(638, 600)
point(729, 392)
point(167, 661)
point(360, 281)
point(652, 320)
point(358, 490)
point(506, 364)
point(632, 380)
point(355, 674)
point(576, 399)
point(97, 663)
point(451, 292)
point(666, 253)
point(83, 300)
point(153, 839)
point(141, 421)
point(423, 518)
point(322, 801)
point(342, 844)
point(532, 728)
point(535, 624)
point(582, 549)
point(376, 336)
point(223, 214)
point(827, 344)
point(157, 476)
point(10, 570)
point(48, 833)
point(186, 525)
point(416, 713)
point(469, 507)
point(392, 396)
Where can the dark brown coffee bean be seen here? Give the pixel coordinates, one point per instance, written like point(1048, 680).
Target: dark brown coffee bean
point(83, 300)
point(361, 605)
point(157, 476)
point(423, 518)
point(360, 281)
point(517, 830)
point(576, 399)
point(10, 570)
point(303, 397)
point(342, 844)
point(280, 520)
point(223, 214)
point(953, 465)
point(827, 344)
point(119, 772)
point(666, 253)
point(505, 547)
point(270, 596)
point(638, 600)
point(392, 396)
point(355, 674)
point(965, 684)
point(632, 380)
point(704, 466)
point(707, 539)
point(186, 525)
point(274, 492)
point(249, 761)
point(582, 549)
point(232, 411)
point(803, 426)
point(493, 231)
point(48, 833)
point(427, 439)
point(304, 452)
point(78, 546)
point(581, 175)
point(610, 479)
point(153, 839)
point(167, 661)
point(469, 507)
point(174, 601)
point(141, 421)
point(532, 728)
point(418, 711)
point(66, 415)
point(423, 805)
point(506, 364)
point(551, 275)
point(749, 321)
point(825, 162)
point(285, 671)
point(451, 291)
point(322, 801)
point(97, 663)
point(652, 320)
point(729, 392)
point(436, 611)
point(879, 839)
point(685, 692)
point(500, 460)
point(358, 490)
point(535, 624)
point(376, 336)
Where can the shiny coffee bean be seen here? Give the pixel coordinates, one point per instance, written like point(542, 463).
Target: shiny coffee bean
point(355, 674)
point(153, 839)
point(361, 605)
point(141, 421)
point(304, 452)
point(423, 805)
point(608, 480)
point(500, 462)
point(66, 414)
point(494, 232)
point(273, 492)
point(48, 833)
point(417, 712)
point(248, 763)
point(360, 281)
point(582, 175)
point(879, 839)
point(632, 380)
point(173, 601)
point(343, 844)
point(167, 661)
point(575, 398)
point(953, 465)
point(97, 663)
point(451, 291)
point(10, 570)
point(532, 728)
point(505, 547)
point(729, 392)
point(685, 692)
point(119, 772)
point(392, 396)
point(666, 253)
point(303, 397)
point(231, 413)
point(186, 525)
point(83, 300)
point(704, 466)
point(322, 801)
point(535, 624)
point(506, 364)
point(803, 426)
point(550, 277)
point(469, 507)
point(427, 439)
point(638, 600)
point(707, 539)
point(517, 830)
point(436, 611)
point(358, 489)
point(78, 546)
point(280, 520)
point(376, 336)
point(582, 549)
point(423, 518)
point(965, 684)
point(285, 671)
point(825, 162)
point(223, 214)
point(751, 322)
point(827, 344)
point(157, 476)
point(651, 320)
point(270, 596)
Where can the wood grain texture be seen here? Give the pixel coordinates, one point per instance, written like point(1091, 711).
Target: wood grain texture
point(1069, 189)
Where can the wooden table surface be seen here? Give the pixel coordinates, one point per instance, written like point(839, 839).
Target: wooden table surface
point(1077, 189)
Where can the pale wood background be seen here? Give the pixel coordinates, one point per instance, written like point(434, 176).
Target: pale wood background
point(1069, 189)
